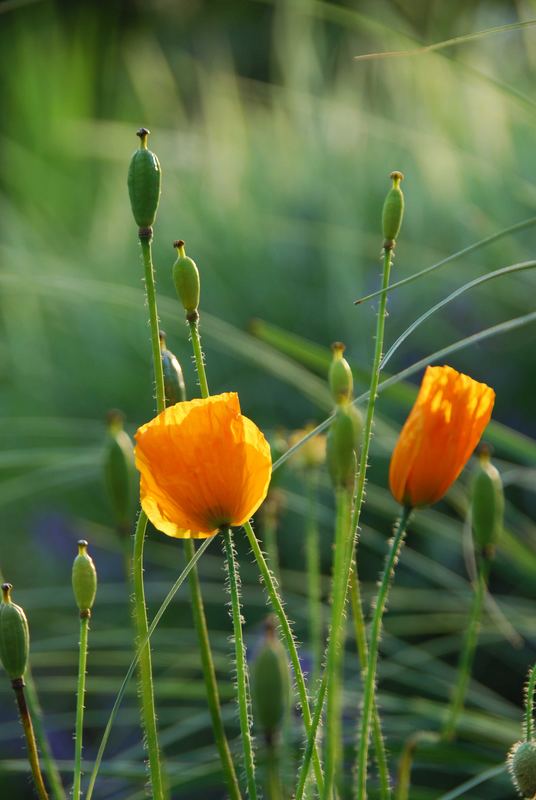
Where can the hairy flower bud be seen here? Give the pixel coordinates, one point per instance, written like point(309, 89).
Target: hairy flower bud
point(174, 387)
point(343, 442)
point(522, 767)
point(120, 474)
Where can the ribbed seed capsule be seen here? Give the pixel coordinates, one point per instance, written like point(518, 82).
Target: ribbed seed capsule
point(341, 381)
point(120, 473)
point(84, 579)
point(342, 445)
point(522, 767)
point(144, 180)
point(487, 505)
point(186, 279)
point(393, 211)
point(174, 387)
point(14, 636)
point(270, 683)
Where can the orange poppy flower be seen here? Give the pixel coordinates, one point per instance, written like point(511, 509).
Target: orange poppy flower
point(203, 466)
point(441, 432)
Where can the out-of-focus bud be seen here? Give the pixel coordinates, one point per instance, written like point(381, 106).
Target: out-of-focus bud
point(312, 453)
point(341, 381)
point(393, 211)
point(487, 505)
point(522, 766)
point(343, 442)
point(144, 180)
point(174, 387)
point(120, 474)
point(84, 579)
point(186, 279)
point(270, 679)
point(14, 636)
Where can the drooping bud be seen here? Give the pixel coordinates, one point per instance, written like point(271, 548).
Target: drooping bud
point(522, 766)
point(342, 446)
point(14, 636)
point(270, 678)
point(120, 473)
point(186, 279)
point(144, 180)
point(341, 381)
point(487, 505)
point(393, 211)
point(174, 387)
point(84, 579)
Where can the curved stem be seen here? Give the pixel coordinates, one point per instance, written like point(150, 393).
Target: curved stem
point(376, 628)
point(277, 605)
point(33, 756)
point(242, 679)
point(528, 720)
point(49, 764)
point(468, 653)
point(209, 673)
point(335, 646)
point(80, 695)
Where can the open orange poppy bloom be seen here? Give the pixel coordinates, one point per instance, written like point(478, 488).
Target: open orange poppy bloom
point(441, 432)
point(203, 466)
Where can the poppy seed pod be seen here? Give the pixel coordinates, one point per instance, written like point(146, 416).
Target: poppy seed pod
point(174, 387)
point(186, 280)
point(341, 381)
point(270, 683)
point(144, 179)
point(487, 505)
point(84, 579)
point(522, 767)
point(342, 444)
point(14, 636)
point(393, 211)
point(119, 469)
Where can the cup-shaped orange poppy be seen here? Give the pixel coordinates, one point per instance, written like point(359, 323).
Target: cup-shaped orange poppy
point(442, 430)
point(203, 466)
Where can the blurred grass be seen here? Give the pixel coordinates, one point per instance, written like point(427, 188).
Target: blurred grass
point(276, 146)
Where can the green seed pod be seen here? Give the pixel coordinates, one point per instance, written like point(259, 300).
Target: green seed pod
point(487, 505)
point(393, 211)
point(522, 767)
point(84, 579)
point(144, 179)
point(342, 447)
point(174, 387)
point(270, 678)
point(14, 636)
point(120, 474)
point(341, 381)
point(186, 279)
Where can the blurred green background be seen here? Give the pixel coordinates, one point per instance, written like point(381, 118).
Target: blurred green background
point(276, 148)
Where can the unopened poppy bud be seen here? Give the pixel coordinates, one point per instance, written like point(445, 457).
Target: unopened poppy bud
point(84, 579)
point(393, 211)
point(14, 636)
point(270, 683)
point(343, 441)
point(144, 179)
point(119, 470)
point(174, 387)
point(341, 381)
point(186, 279)
point(522, 767)
point(487, 505)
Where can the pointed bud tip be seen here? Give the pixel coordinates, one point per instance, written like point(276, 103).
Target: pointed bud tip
point(178, 243)
point(338, 348)
point(82, 547)
point(396, 176)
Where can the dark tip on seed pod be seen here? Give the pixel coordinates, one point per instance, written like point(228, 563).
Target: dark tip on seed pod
point(174, 387)
point(186, 279)
point(522, 767)
point(341, 381)
point(393, 211)
point(84, 579)
point(271, 686)
point(14, 636)
point(487, 504)
point(144, 181)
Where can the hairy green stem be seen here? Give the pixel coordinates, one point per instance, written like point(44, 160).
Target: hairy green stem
point(335, 646)
point(242, 679)
point(468, 652)
point(198, 355)
point(80, 697)
point(33, 756)
point(277, 605)
point(150, 292)
point(311, 739)
point(375, 634)
point(528, 720)
point(50, 767)
point(314, 588)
